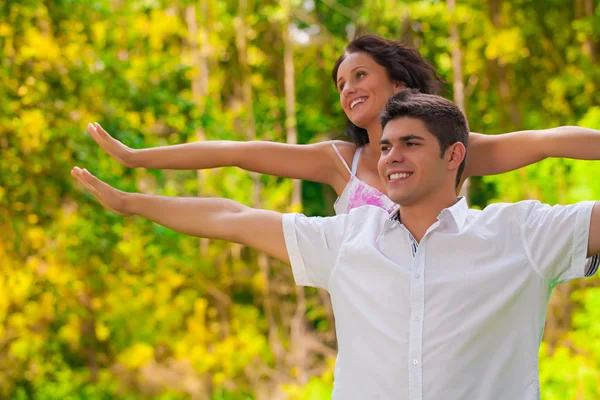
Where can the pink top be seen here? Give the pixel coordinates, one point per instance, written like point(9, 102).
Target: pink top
point(358, 193)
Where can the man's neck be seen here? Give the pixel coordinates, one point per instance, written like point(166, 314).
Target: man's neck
point(417, 218)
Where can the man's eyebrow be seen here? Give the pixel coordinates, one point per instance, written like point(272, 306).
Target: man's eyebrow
point(352, 70)
point(402, 139)
point(411, 137)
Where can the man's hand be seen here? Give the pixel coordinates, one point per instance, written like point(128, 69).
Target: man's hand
point(213, 218)
point(111, 146)
point(112, 199)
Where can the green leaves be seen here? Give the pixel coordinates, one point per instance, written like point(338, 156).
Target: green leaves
point(94, 304)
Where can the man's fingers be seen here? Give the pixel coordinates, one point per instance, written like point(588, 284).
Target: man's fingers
point(88, 180)
point(86, 184)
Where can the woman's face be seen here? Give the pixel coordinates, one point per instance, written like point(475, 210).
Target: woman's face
point(364, 88)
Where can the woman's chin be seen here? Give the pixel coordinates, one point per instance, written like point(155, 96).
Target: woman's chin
point(364, 122)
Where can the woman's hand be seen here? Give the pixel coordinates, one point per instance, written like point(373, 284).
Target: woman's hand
point(111, 146)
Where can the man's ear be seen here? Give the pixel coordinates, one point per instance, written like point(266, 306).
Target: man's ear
point(455, 154)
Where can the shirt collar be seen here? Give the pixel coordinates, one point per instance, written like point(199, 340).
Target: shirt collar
point(457, 212)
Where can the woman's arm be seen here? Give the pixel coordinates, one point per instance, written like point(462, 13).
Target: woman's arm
point(314, 162)
point(495, 154)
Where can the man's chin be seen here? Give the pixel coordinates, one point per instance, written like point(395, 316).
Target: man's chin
point(401, 199)
point(406, 198)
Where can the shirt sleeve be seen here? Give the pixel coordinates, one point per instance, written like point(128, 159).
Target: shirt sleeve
point(556, 240)
point(313, 245)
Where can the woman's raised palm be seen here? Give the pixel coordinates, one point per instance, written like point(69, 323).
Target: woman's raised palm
point(110, 145)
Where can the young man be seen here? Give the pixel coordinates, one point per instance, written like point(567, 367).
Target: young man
point(442, 303)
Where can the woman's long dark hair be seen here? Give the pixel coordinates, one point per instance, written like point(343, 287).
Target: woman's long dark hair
point(402, 63)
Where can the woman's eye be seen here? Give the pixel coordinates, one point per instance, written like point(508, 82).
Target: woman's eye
point(360, 75)
point(341, 87)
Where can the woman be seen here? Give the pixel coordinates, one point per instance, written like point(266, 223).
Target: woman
point(370, 71)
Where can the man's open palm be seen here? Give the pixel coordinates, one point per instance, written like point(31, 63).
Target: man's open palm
point(111, 198)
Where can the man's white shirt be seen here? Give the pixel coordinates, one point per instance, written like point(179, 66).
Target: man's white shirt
point(459, 315)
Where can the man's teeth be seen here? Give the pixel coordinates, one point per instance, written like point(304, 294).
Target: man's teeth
point(357, 101)
point(399, 175)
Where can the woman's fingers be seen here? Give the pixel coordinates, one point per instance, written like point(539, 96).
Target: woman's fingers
point(110, 145)
point(97, 138)
point(101, 130)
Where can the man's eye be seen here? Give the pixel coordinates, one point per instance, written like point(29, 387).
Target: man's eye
point(411, 144)
point(385, 148)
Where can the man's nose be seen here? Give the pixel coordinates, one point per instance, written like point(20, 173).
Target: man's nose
point(395, 155)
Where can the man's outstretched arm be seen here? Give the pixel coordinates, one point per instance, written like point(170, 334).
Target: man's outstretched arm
point(214, 218)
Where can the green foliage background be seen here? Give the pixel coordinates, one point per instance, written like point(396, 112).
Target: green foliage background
point(94, 306)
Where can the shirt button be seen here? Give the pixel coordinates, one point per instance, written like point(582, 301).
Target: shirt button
point(417, 276)
point(417, 318)
point(415, 362)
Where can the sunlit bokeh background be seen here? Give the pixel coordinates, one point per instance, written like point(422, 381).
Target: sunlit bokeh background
point(94, 306)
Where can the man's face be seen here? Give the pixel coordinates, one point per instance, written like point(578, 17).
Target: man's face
point(410, 163)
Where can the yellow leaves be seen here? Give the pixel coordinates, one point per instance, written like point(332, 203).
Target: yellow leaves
point(102, 331)
point(40, 46)
point(258, 282)
point(37, 237)
point(132, 250)
point(158, 27)
point(19, 283)
point(19, 349)
point(17, 321)
point(134, 119)
point(71, 331)
point(99, 29)
point(32, 129)
point(507, 45)
point(196, 323)
point(173, 279)
point(137, 355)
point(591, 119)
point(5, 30)
point(256, 56)
point(219, 378)
point(46, 305)
point(56, 275)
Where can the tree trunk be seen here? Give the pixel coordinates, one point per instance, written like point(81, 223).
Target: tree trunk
point(585, 9)
point(199, 61)
point(290, 95)
point(458, 85)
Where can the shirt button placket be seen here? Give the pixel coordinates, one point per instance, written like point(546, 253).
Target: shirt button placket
point(416, 328)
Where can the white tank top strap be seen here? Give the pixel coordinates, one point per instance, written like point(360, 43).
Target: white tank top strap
point(341, 158)
point(355, 160)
